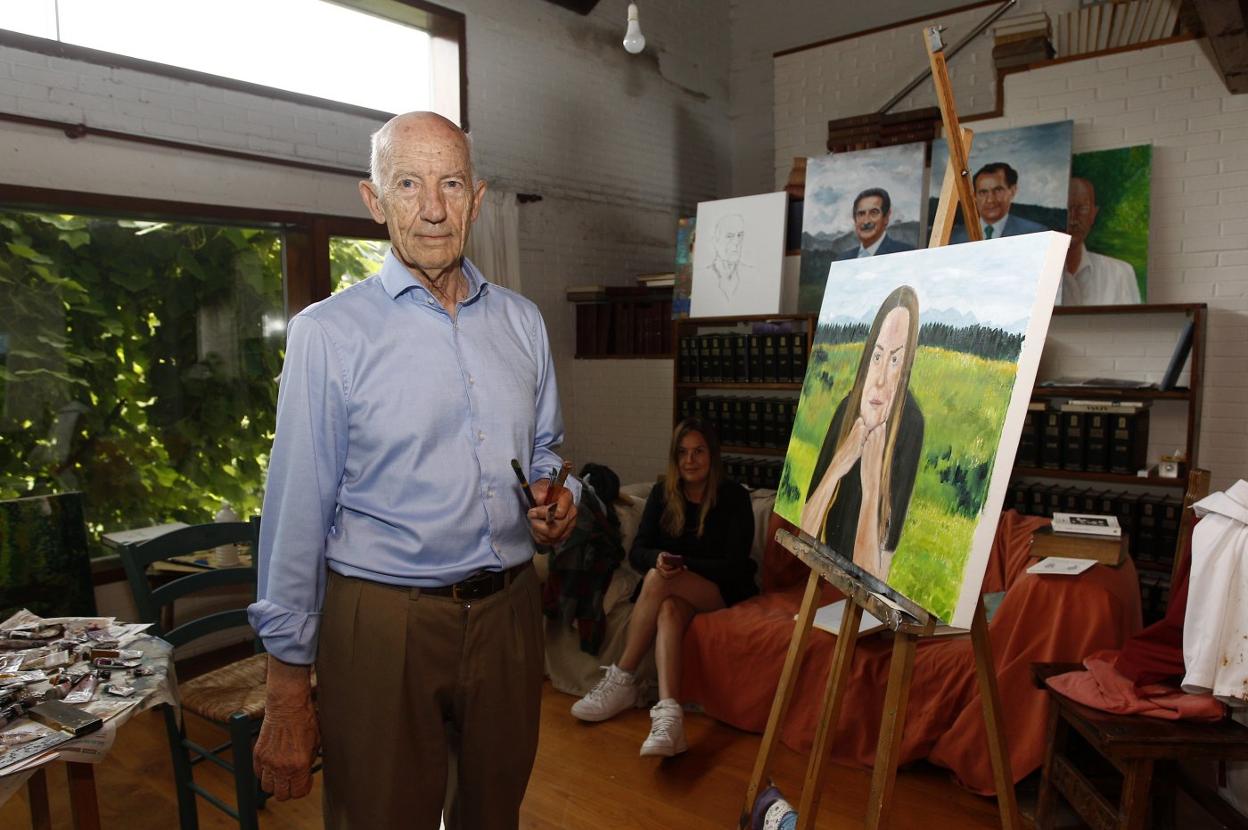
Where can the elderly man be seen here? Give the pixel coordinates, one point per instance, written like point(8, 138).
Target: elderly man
point(396, 547)
point(872, 210)
point(1089, 278)
point(996, 186)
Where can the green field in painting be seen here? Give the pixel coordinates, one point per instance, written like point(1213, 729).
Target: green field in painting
point(963, 399)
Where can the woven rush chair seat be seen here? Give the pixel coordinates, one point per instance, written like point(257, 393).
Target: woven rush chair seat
point(238, 687)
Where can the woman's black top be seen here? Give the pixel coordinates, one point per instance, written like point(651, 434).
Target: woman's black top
point(721, 554)
point(842, 518)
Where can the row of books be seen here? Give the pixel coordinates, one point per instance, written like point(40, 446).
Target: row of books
point(624, 325)
point(778, 357)
point(1150, 521)
point(1089, 436)
point(1095, 27)
point(745, 421)
point(1154, 595)
point(759, 473)
point(1022, 39)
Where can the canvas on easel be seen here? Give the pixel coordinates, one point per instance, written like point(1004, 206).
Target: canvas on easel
point(918, 382)
point(738, 257)
point(885, 441)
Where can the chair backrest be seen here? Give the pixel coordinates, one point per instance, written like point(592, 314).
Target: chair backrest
point(1197, 489)
point(137, 556)
point(44, 559)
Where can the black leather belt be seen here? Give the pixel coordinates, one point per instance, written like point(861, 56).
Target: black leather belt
point(480, 585)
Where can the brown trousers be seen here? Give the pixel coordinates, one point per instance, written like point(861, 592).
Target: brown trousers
point(428, 703)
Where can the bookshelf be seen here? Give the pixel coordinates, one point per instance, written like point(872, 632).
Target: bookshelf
point(1149, 508)
point(745, 375)
point(623, 322)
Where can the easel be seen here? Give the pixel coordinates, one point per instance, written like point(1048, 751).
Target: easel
point(907, 621)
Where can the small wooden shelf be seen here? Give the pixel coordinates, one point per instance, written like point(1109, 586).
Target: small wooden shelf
point(1110, 393)
point(1111, 478)
point(733, 449)
point(747, 387)
point(1130, 308)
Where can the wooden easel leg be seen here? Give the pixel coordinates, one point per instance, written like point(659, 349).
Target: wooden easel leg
point(892, 726)
point(838, 679)
point(784, 693)
point(1002, 775)
point(1046, 800)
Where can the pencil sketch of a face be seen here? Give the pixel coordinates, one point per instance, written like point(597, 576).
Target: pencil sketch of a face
point(738, 258)
point(729, 237)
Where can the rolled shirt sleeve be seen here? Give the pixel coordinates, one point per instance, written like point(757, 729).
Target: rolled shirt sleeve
point(305, 468)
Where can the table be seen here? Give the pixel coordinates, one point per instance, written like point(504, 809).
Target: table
point(80, 754)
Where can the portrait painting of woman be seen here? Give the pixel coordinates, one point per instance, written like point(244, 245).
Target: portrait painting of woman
point(860, 489)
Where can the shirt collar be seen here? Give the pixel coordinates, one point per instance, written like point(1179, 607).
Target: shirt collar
point(1084, 261)
point(397, 280)
point(998, 227)
point(874, 247)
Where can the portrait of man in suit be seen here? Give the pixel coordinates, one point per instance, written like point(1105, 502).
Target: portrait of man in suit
point(996, 186)
point(872, 210)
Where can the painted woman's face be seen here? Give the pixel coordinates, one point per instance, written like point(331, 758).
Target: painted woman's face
point(693, 458)
point(884, 368)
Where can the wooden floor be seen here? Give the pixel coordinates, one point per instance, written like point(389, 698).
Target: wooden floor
point(586, 776)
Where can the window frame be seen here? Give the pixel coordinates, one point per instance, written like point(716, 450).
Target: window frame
point(446, 25)
point(305, 236)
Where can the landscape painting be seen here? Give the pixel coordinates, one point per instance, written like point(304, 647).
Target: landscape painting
point(863, 203)
point(739, 255)
point(911, 410)
point(1020, 179)
point(682, 287)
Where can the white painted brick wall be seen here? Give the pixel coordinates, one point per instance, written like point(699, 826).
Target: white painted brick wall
point(1172, 97)
point(619, 146)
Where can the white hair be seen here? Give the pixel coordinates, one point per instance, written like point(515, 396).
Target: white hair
point(379, 153)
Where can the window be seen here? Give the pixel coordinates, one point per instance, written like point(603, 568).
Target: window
point(385, 55)
point(140, 366)
point(351, 260)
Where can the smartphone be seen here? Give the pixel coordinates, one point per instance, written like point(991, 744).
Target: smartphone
point(672, 560)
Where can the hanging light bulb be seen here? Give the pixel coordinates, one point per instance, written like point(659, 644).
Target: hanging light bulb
point(634, 40)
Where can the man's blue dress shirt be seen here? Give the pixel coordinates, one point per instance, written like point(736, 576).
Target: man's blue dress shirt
point(396, 426)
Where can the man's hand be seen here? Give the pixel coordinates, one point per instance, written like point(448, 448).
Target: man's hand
point(550, 527)
point(290, 735)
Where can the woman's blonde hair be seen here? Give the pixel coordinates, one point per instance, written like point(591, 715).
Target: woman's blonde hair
point(673, 519)
point(902, 297)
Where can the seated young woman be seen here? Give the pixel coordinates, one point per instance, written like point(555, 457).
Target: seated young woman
point(693, 545)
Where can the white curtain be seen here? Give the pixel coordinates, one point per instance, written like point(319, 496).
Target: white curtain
point(494, 242)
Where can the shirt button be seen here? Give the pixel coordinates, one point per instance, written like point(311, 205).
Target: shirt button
point(480, 435)
point(471, 380)
point(489, 494)
point(495, 548)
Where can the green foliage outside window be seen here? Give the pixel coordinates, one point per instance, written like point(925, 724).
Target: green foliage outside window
point(139, 363)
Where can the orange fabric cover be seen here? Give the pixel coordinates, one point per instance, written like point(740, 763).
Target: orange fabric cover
point(1103, 687)
point(733, 659)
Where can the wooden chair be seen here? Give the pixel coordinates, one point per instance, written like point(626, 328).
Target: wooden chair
point(231, 697)
point(1146, 752)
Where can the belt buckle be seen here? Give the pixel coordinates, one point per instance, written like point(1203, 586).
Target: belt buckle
point(469, 588)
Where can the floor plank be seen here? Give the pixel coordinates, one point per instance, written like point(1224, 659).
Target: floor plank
point(586, 776)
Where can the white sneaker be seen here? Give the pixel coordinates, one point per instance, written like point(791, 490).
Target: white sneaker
point(615, 692)
point(667, 730)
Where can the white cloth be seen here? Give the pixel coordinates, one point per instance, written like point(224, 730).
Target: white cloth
point(494, 243)
point(1099, 280)
point(1215, 628)
point(866, 252)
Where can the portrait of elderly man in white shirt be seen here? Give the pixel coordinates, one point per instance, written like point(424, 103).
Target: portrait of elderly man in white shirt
point(1090, 278)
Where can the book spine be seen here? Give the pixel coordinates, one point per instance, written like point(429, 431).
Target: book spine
point(1096, 445)
point(754, 419)
point(770, 423)
point(1128, 442)
point(801, 347)
point(1051, 449)
point(771, 367)
point(1146, 533)
point(727, 429)
point(1028, 445)
point(756, 358)
point(740, 357)
point(1072, 441)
